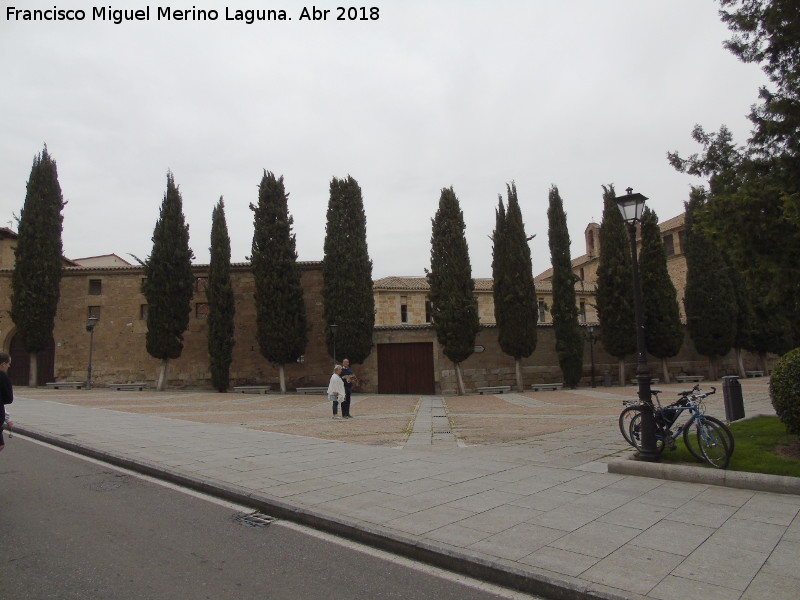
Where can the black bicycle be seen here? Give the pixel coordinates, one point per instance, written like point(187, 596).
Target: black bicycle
point(707, 438)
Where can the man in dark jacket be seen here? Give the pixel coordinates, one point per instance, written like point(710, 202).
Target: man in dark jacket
point(6, 392)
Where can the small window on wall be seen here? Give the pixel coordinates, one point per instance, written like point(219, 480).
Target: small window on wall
point(542, 311)
point(201, 284)
point(95, 287)
point(143, 312)
point(583, 311)
point(682, 240)
point(428, 311)
point(404, 309)
point(201, 310)
point(93, 312)
point(669, 245)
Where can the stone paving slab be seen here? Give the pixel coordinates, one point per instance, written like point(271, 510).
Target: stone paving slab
point(531, 512)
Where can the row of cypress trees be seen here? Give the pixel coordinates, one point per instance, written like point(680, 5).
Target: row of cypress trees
point(281, 322)
point(282, 328)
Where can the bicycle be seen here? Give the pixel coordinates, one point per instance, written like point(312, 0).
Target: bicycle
point(713, 442)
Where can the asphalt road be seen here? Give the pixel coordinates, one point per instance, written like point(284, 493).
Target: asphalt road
point(72, 528)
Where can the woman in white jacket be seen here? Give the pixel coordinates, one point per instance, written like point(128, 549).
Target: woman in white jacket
point(336, 389)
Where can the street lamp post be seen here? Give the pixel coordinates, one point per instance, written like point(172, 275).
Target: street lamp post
point(631, 206)
point(90, 325)
point(333, 327)
point(591, 350)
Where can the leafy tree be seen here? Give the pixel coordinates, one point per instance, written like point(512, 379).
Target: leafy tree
point(454, 307)
point(662, 319)
point(36, 279)
point(756, 187)
point(569, 338)
point(614, 294)
point(169, 282)
point(221, 306)
point(347, 273)
point(282, 329)
point(513, 286)
point(767, 32)
point(710, 301)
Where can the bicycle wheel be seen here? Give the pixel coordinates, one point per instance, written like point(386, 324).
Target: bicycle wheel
point(690, 439)
point(625, 422)
point(635, 432)
point(712, 439)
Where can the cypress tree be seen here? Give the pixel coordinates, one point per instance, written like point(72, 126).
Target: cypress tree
point(614, 293)
point(569, 338)
point(282, 330)
point(169, 282)
point(347, 273)
point(513, 287)
point(36, 279)
point(453, 303)
point(711, 310)
point(662, 319)
point(221, 308)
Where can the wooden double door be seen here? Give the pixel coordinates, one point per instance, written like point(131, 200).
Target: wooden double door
point(406, 368)
point(21, 363)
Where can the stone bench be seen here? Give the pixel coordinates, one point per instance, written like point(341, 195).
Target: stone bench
point(497, 389)
point(136, 386)
point(252, 389)
point(543, 387)
point(689, 378)
point(312, 390)
point(754, 373)
point(66, 385)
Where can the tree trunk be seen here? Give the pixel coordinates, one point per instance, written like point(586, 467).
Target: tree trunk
point(282, 376)
point(33, 377)
point(461, 391)
point(712, 368)
point(740, 363)
point(518, 369)
point(622, 371)
point(762, 362)
point(665, 370)
point(161, 385)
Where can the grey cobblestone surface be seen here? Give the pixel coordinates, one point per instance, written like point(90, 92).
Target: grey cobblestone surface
point(540, 513)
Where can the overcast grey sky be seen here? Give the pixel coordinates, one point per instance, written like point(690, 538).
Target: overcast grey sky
point(468, 93)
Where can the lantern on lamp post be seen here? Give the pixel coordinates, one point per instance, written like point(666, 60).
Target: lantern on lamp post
point(631, 206)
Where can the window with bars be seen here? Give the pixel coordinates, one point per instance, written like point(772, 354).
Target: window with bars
point(95, 287)
point(201, 310)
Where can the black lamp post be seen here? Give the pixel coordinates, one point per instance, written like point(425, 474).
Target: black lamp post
point(590, 330)
point(333, 327)
point(632, 206)
point(90, 325)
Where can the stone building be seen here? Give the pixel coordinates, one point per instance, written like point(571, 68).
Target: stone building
point(406, 357)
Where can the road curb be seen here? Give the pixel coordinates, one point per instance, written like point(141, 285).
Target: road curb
point(779, 484)
point(532, 581)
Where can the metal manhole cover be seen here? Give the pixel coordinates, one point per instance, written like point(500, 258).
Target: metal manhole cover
point(255, 519)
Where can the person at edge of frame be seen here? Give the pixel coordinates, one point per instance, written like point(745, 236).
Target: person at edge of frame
point(6, 394)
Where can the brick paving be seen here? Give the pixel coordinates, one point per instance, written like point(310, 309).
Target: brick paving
point(511, 488)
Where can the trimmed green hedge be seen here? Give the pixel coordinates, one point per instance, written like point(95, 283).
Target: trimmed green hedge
point(784, 389)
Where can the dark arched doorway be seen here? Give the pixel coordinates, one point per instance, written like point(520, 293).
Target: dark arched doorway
point(20, 369)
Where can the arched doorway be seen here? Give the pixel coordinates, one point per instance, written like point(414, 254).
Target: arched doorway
point(20, 369)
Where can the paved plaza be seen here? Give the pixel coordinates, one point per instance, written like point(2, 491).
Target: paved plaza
point(514, 488)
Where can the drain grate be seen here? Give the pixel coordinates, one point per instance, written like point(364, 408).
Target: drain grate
point(255, 519)
point(441, 432)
